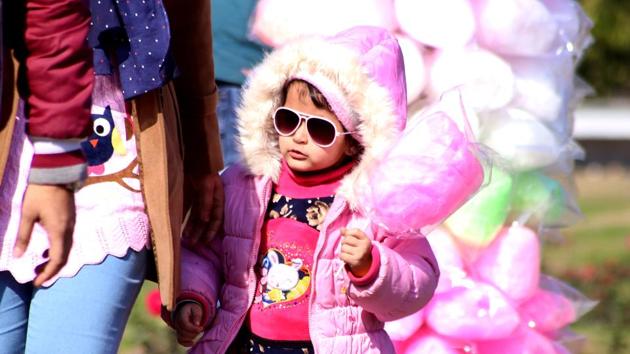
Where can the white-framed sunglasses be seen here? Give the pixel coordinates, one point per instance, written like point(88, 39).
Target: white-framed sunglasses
point(321, 130)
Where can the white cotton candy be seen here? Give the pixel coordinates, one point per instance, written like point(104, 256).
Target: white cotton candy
point(566, 14)
point(440, 24)
point(516, 27)
point(544, 88)
point(486, 81)
point(573, 25)
point(415, 72)
point(454, 104)
point(537, 91)
point(278, 21)
point(520, 139)
point(275, 21)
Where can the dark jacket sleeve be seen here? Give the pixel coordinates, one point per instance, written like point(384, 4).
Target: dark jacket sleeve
point(196, 90)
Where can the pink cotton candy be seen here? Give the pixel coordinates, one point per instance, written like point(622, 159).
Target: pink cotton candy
point(404, 328)
point(580, 303)
point(547, 311)
point(448, 258)
point(511, 263)
point(428, 173)
point(522, 341)
point(473, 311)
point(440, 24)
point(425, 341)
point(279, 21)
point(516, 27)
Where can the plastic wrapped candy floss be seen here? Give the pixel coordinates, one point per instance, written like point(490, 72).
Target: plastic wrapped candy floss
point(426, 175)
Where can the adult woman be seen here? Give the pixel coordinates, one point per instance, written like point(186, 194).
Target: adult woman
point(84, 307)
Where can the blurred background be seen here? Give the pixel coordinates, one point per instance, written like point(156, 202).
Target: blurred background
point(592, 254)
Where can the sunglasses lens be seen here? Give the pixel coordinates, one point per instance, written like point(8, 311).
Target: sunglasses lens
point(286, 121)
point(321, 131)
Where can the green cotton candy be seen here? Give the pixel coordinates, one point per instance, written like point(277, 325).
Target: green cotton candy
point(538, 195)
point(478, 221)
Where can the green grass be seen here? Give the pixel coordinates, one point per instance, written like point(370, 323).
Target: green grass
point(606, 326)
point(594, 257)
point(600, 206)
point(146, 334)
point(588, 246)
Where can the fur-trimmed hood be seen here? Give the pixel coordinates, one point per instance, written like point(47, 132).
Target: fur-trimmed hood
point(361, 69)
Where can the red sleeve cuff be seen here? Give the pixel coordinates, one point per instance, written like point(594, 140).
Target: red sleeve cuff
point(62, 168)
point(185, 296)
point(372, 273)
point(64, 159)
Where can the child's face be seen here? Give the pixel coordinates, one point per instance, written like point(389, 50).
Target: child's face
point(298, 150)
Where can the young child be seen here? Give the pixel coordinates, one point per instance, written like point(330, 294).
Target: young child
point(291, 273)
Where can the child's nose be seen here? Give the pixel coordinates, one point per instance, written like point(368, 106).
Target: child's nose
point(301, 134)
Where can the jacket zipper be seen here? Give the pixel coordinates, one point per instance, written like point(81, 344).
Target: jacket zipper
point(322, 239)
point(252, 289)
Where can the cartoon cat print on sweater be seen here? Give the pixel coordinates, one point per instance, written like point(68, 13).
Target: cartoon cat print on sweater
point(282, 280)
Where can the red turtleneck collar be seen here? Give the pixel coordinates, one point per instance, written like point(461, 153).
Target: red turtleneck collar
point(312, 185)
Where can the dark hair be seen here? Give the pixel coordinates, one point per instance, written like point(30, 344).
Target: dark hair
point(316, 96)
point(320, 101)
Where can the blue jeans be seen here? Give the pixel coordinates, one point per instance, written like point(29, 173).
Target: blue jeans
point(229, 100)
point(83, 314)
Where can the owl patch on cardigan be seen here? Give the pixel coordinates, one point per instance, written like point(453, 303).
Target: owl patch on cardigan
point(110, 149)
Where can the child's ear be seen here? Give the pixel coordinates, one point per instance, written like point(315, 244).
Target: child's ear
point(352, 148)
point(347, 149)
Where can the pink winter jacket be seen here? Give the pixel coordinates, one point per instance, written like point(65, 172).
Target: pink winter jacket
point(344, 318)
point(361, 74)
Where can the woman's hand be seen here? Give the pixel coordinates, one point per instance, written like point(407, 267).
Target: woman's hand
point(356, 251)
point(53, 208)
point(205, 195)
point(188, 323)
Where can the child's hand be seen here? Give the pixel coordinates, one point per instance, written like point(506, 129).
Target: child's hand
point(356, 251)
point(188, 323)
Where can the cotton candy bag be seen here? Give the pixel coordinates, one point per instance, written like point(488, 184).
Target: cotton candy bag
point(426, 175)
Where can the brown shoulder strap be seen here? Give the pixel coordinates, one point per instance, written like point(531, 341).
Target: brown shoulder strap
point(8, 107)
point(161, 175)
